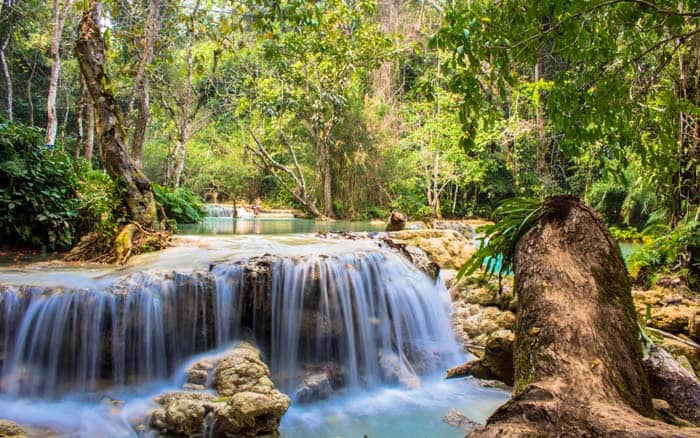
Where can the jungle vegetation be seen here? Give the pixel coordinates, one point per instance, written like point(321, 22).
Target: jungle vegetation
point(131, 110)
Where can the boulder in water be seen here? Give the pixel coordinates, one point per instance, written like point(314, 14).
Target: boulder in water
point(315, 387)
point(10, 429)
point(247, 403)
point(397, 221)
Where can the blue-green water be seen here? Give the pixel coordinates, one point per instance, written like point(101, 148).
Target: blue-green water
point(212, 225)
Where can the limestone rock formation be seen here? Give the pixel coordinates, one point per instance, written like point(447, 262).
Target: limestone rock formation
point(10, 429)
point(247, 403)
point(448, 248)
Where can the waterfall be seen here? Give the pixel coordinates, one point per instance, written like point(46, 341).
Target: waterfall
point(218, 210)
point(365, 313)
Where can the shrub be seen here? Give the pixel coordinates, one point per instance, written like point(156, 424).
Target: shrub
point(179, 204)
point(38, 191)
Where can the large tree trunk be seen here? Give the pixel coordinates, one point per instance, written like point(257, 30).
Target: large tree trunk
point(59, 20)
point(90, 50)
point(577, 352)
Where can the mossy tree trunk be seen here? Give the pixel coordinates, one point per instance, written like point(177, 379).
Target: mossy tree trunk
point(90, 51)
point(577, 353)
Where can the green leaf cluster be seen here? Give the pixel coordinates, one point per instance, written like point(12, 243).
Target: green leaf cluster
point(38, 191)
point(179, 204)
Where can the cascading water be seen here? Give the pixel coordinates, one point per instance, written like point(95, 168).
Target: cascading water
point(356, 311)
point(218, 210)
point(371, 318)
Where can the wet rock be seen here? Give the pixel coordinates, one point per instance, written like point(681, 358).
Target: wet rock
point(459, 420)
point(393, 371)
point(242, 370)
point(397, 221)
point(247, 403)
point(448, 248)
point(668, 380)
point(183, 413)
point(200, 374)
point(315, 387)
point(496, 362)
point(10, 429)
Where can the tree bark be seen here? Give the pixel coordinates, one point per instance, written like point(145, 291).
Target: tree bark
point(90, 51)
point(577, 353)
point(89, 130)
point(8, 78)
point(59, 20)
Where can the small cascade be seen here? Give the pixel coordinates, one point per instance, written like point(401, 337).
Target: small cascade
point(372, 317)
point(219, 210)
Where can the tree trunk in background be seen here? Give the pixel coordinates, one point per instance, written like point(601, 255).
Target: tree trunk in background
point(79, 119)
point(90, 51)
point(89, 130)
point(188, 113)
point(30, 99)
point(383, 81)
point(577, 353)
point(327, 183)
point(140, 92)
point(6, 20)
point(8, 79)
point(59, 20)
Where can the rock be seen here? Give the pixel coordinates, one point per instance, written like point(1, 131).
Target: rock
point(10, 429)
point(250, 414)
point(498, 356)
point(670, 310)
point(474, 323)
point(242, 370)
point(397, 221)
point(200, 374)
point(448, 248)
point(394, 372)
point(668, 380)
point(472, 368)
point(247, 403)
point(315, 387)
point(183, 413)
point(459, 420)
point(496, 362)
point(461, 227)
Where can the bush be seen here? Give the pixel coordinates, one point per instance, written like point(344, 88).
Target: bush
point(179, 204)
point(675, 252)
point(38, 191)
point(101, 208)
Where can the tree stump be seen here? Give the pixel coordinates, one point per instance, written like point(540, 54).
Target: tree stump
point(577, 352)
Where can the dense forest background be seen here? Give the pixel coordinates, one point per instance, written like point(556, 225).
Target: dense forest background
point(352, 108)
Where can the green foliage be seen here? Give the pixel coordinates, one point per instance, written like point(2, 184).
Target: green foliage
point(37, 191)
point(100, 206)
point(626, 234)
point(675, 251)
point(179, 204)
point(515, 217)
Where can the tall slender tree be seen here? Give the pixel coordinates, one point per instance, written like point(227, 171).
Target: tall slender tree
point(60, 13)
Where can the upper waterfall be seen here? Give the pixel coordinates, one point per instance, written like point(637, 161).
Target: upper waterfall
point(371, 315)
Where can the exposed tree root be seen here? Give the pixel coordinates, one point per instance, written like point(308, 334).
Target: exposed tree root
point(132, 239)
point(577, 353)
